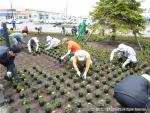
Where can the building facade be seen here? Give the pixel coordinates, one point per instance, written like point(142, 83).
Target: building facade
point(27, 14)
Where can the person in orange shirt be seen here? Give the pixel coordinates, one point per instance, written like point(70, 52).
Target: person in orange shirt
point(72, 47)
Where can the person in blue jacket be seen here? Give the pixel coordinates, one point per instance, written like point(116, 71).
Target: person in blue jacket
point(7, 57)
point(133, 92)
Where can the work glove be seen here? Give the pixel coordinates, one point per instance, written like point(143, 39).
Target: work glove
point(9, 74)
point(78, 73)
point(123, 67)
point(62, 58)
point(84, 75)
point(111, 62)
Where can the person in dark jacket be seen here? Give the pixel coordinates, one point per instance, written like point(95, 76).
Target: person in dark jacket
point(133, 92)
point(7, 57)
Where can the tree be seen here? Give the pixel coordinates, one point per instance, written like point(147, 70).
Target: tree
point(116, 14)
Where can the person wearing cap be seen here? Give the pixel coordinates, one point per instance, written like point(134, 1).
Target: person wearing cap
point(17, 38)
point(124, 51)
point(33, 44)
point(133, 92)
point(72, 47)
point(81, 60)
point(7, 57)
point(51, 42)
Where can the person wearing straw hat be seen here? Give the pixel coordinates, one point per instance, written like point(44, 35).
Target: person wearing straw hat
point(52, 42)
point(72, 47)
point(127, 52)
point(33, 44)
point(82, 60)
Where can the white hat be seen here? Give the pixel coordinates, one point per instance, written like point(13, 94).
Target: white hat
point(48, 38)
point(81, 55)
point(121, 47)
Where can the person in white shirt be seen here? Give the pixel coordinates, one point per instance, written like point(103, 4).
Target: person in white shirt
point(52, 42)
point(124, 51)
point(33, 44)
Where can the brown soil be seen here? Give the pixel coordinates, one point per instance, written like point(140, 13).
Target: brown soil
point(109, 45)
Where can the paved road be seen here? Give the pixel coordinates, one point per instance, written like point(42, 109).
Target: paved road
point(51, 28)
point(45, 27)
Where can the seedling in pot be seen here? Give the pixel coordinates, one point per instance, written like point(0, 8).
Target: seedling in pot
point(81, 93)
point(97, 84)
point(97, 93)
point(48, 108)
point(88, 89)
point(46, 84)
point(83, 84)
point(62, 90)
point(101, 103)
point(78, 103)
point(49, 90)
point(69, 96)
point(53, 95)
point(90, 108)
point(58, 102)
point(106, 88)
point(89, 97)
point(41, 101)
point(107, 98)
point(76, 87)
point(68, 109)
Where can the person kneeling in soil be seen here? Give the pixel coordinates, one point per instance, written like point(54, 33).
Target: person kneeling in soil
point(33, 44)
point(72, 48)
point(17, 38)
point(127, 52)
point(81, 61)
point(7, 57)
point(133, 92)
point(52, 42)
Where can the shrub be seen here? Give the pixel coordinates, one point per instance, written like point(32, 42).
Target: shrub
point(36, 96)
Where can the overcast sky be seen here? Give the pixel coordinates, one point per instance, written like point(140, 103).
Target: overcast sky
point(75, 7)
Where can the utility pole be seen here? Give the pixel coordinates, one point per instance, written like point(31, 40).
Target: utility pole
point(11, 9)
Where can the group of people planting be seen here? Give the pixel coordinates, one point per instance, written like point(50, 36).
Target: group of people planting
point(131, 92)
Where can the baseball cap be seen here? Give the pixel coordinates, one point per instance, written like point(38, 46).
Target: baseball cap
point(81, 54)
point(15, 49)
point(64, 40)
point(121, 47)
